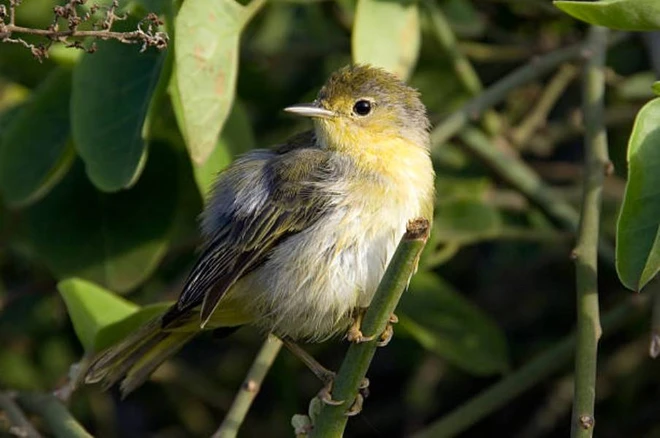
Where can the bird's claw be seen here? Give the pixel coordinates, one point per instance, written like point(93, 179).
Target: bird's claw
point(355, 335)
point(356, 407)
point(387, 334)
point(325, 395)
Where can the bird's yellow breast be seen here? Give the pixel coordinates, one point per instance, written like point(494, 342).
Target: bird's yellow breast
point(312, 282)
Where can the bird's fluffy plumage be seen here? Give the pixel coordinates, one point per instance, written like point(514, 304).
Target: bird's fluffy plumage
point(299, 236)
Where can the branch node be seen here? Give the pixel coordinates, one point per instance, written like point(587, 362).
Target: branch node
point(587, 422)
point(251, 386)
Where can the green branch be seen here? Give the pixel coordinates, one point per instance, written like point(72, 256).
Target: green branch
point(654, 347)
point(496, 93)
point(520, 176)
point(538, 116)
point(465, 73)
point(332, 420)
point(597, 164)
point(59, 420)
point(19, 425)
point(446, 38)
point(499, 90)
point(551, 361)
point(250, 388)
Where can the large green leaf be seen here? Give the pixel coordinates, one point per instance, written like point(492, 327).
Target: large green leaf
point(444, 322)
point(115, 240)
point(92, 307)
point(206, 64)
point(236, 138)
point(638, 229)
point(387, 34)
point(112, 90)
point(615, 14)
point(35, 151)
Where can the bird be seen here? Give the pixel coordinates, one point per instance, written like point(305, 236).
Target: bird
point(297, 237)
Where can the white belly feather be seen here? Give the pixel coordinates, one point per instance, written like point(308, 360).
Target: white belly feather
point(312, 281)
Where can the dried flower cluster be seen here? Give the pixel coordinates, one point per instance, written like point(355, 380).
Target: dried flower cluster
point(65, 28)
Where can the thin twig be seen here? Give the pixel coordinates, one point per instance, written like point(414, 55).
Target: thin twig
point(465, 73)
point(20, 426)
point(530, 374)
point(484, 52)
point(539, 114)
point(517, 173)
point(332, 419)
point(55, 415)
point(147, 33)
point(249, 389)
point(654, 345)
point(597, 165)
point(496, 93)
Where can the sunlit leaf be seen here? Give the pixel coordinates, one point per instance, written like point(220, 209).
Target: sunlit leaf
point(444, 322)
point(115, 240)
point(112, 90)
point(35, 151)
point(235, 139)
point(387, 34)
point(615, 14)
point(638, 229)
point(206, 64)
point(92, 307)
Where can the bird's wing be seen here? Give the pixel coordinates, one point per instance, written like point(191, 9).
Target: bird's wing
point(260, 200)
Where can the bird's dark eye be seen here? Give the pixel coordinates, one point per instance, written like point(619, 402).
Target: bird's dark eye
point(362, 107)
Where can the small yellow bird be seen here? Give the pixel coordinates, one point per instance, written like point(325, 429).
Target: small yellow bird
point(297, 238)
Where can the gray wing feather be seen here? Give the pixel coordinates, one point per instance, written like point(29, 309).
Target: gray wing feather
point(261, 199)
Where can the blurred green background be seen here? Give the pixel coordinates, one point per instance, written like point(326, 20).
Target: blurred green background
point(96, 182)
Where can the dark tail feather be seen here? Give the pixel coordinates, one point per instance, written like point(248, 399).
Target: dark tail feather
point(136, 357)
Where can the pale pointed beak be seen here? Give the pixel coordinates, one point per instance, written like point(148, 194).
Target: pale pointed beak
point(310, 110)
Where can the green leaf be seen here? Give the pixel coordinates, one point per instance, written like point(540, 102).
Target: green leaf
point(444, 322)
point(387, 34)
point(206, 64)
point(115, 240)
point(656, 88)
point(465, 18)
point(19, 371)
point(112, 90)
point(638, 86)
point(616, 14)
point(17, 64)
point(92, 307)
point(466, 221)
point(638, 228)
point(110, 334)
point(35, 152)
point(236, 138)
point(462, 188)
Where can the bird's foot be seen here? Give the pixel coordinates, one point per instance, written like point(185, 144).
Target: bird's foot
point(387, 334)
point(355, 335)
